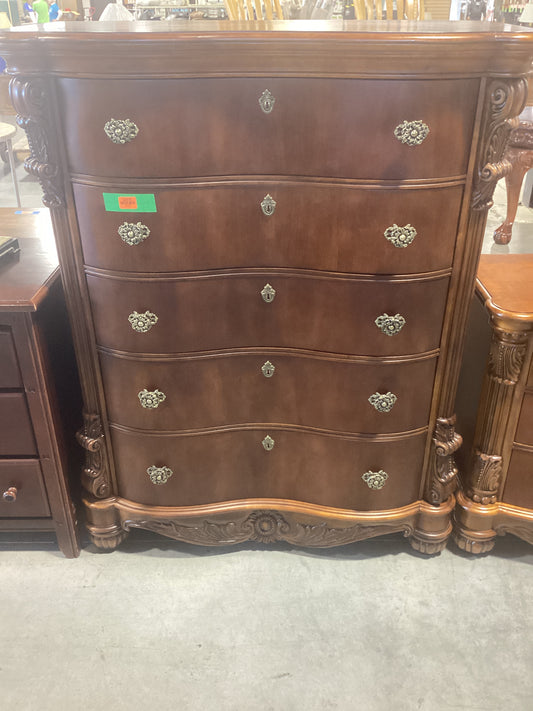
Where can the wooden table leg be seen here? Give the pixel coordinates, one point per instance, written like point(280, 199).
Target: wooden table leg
point(521, 160)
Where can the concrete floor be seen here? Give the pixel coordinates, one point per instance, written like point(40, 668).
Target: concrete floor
point(166, 626)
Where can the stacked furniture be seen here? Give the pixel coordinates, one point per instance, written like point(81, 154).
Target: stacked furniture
point(269, 239)
point(496, 495)
point(39, 390)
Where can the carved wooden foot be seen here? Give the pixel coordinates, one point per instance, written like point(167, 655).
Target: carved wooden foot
point(104, 523)
point(429, 543)
point(475, 542)
point(108, 540)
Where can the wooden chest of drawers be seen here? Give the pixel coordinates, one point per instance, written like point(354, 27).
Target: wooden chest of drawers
point(270, 238)
point(496, 496)
point(37, 371)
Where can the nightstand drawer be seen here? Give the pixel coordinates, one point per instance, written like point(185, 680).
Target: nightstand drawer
point(16, 433)
point(314, 312)
point(9, 369)
point(22, 491)
point(300, 465)
point(524, 431)
point(224, 226)
point(343, 128)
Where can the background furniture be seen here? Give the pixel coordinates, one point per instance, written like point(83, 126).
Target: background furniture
point(37, 372)
point(269, 243)
point(6, 148)
point(519, 153)
point(496, 495)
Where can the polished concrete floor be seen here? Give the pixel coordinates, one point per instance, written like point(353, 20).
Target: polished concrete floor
point(164, 626)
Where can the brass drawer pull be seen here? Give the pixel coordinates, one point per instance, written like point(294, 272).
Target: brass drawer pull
point(383, 402)
point(375, 480)
point(268, 205)
point(10, 495)
point(268, 293)
point(400, 236)
point(133, 233)
point(142, 322)
point(159, 475)
point(412, 133)
point(266, 102)
point(390, 325)
point(268, 443)
point(268, 369)
point(150, 399)
point(121, 131)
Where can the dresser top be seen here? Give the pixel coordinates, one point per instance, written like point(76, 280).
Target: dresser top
point(504, 282)
point(26, 277)
point(329, 48)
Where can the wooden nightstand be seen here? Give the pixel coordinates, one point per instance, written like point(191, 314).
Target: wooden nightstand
point(39, 390)
point(497, 463)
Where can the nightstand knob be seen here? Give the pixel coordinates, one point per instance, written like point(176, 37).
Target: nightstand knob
point(400, 236)
point(383, 402)
point(150, 399)
point(375, 480)
point(10, 495)
point(412, 133)
point(390, 325)
point(266, 102)
point(121, 131)
point(268, 369)
point(133, 233)
point(142, 323)
point(268, 293)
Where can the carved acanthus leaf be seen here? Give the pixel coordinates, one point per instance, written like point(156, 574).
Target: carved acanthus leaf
point(443, 472)
point(506, 101)
point(95, 473)
point(30, 101)
point(485, 478)
point(266, 527)
point(506, 356)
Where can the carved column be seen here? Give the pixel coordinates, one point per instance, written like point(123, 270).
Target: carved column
point(34, 101)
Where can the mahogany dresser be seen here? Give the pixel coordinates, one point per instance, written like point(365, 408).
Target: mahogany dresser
point(269, 235)
point(39, 389)
point(496, 493)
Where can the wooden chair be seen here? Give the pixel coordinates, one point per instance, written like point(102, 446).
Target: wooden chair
point(254, 10)
point(373, 10)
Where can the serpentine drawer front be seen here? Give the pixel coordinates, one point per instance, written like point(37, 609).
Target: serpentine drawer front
point(374, 231)
point(268, 239)
point(206, 127)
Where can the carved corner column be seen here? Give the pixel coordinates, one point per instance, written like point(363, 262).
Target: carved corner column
point(483, 480)
point(37, 114)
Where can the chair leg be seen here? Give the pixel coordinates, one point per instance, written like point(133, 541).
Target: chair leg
point(521, 161)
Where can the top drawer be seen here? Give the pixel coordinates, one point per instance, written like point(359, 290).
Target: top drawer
point(9, 369)
point(316, 127)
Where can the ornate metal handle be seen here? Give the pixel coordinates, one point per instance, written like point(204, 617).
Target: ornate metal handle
point(268, 293)
point(266, 102)
point(375, 480)
point(383, 402)
point(10, 495)
point(412, 133)
point(159, 475)
point(150, 399)
point(142, 322)
point(400, 236)
point(268, 205)
point(268, 443)
point(121, 131)
point(133, 233)
point(390, 325)
point(268, 369)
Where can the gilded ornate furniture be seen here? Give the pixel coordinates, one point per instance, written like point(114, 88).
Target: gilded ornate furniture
point(269, 238)
point(519, 153)
point(496, 495)
point(37, 371)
